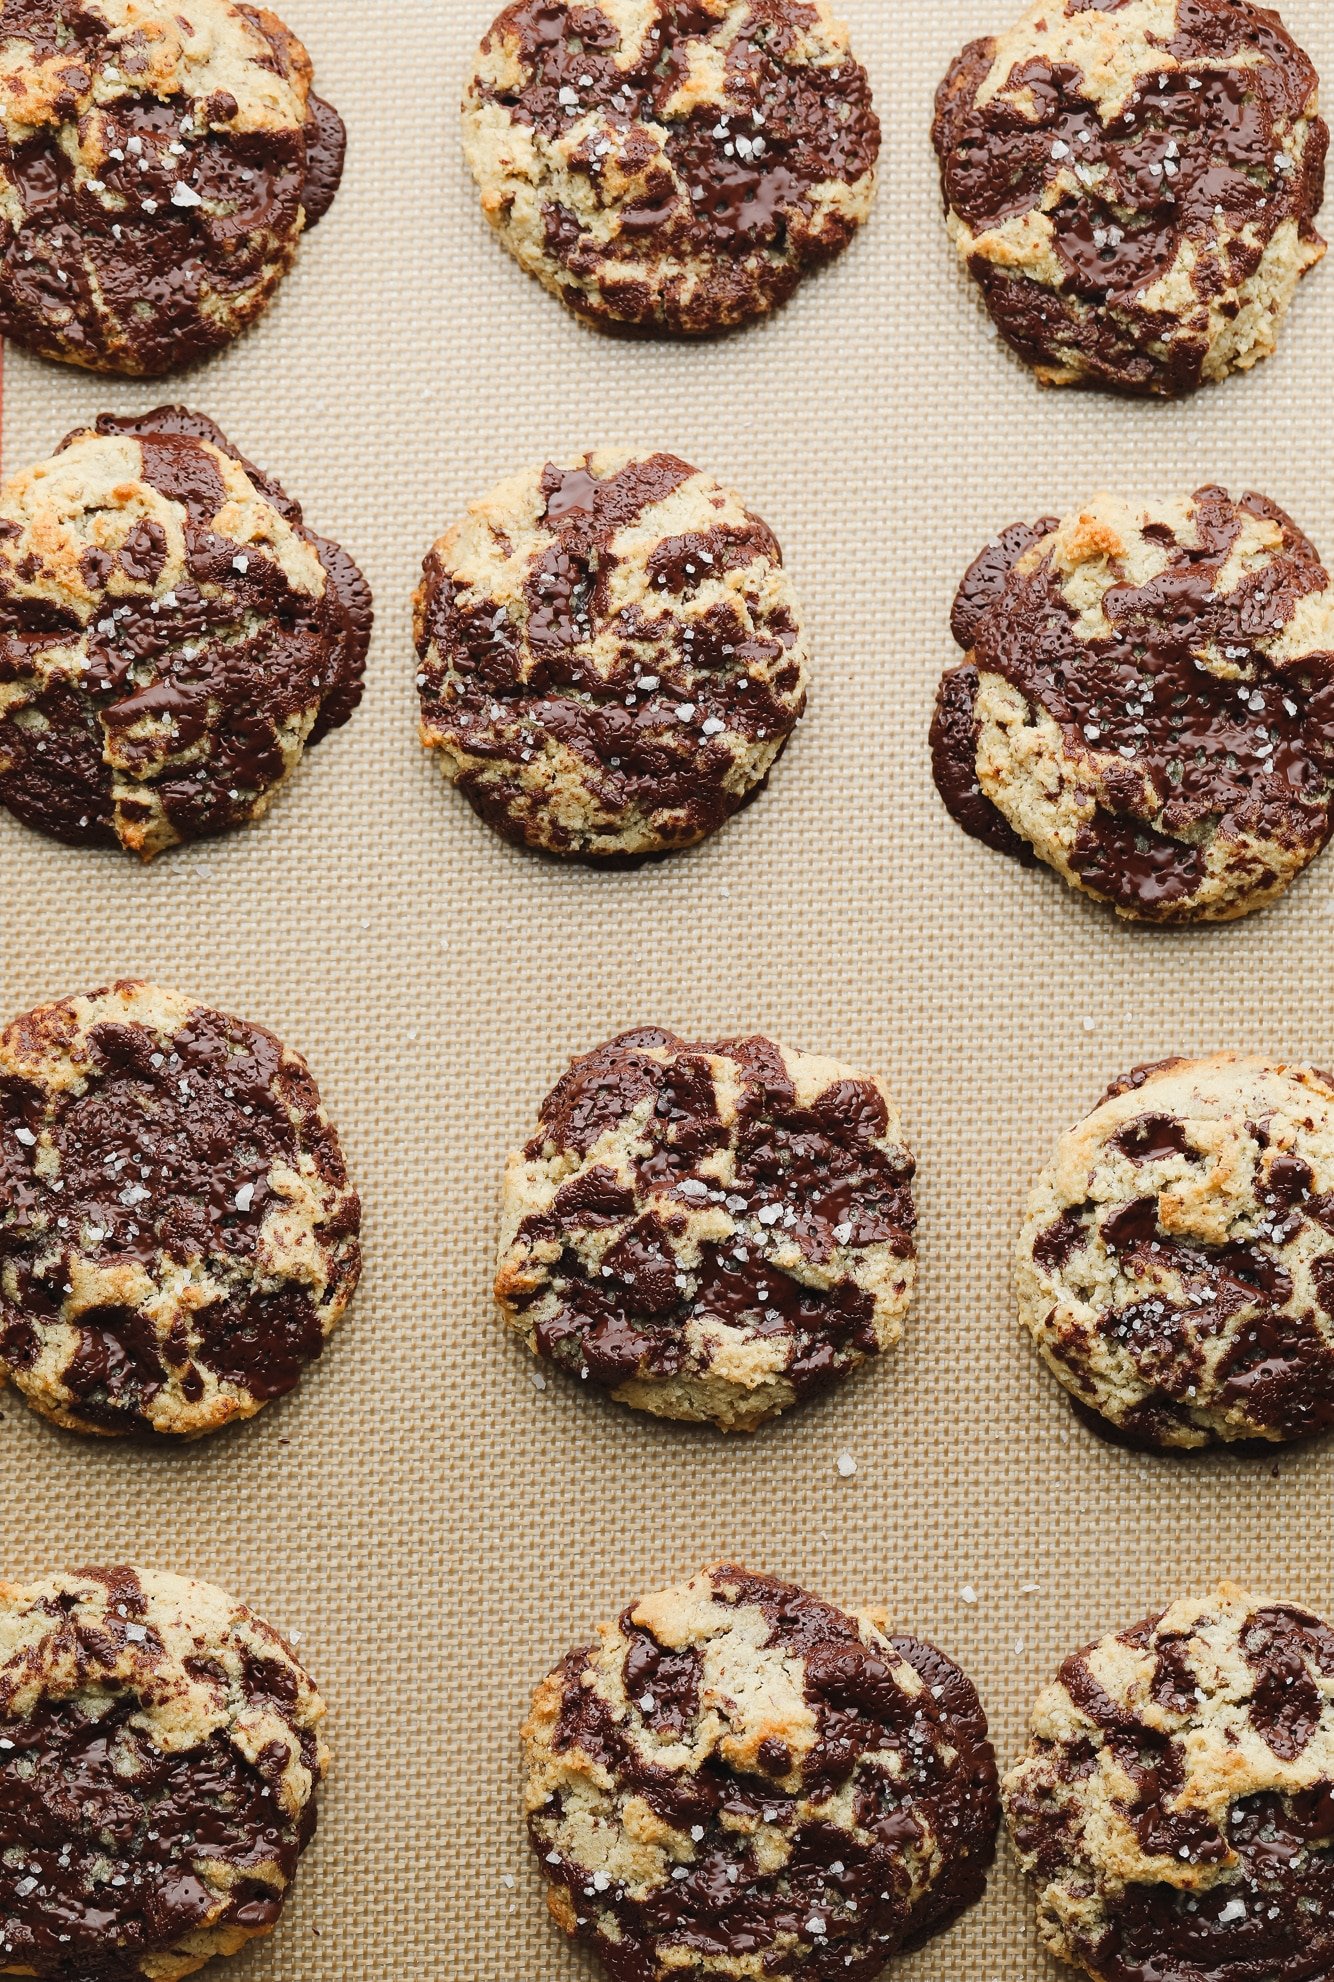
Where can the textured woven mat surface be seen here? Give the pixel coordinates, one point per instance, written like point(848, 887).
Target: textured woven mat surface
point(436, 1530)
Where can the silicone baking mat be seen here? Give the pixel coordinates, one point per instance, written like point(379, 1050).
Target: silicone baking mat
point(436, 1529)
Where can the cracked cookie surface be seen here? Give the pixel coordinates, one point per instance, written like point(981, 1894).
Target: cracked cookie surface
point(173, 637)
point(611, 656)
point(1176, 1265)
point(178, 1235)
point(709, 1231)
point(160, 1753)
point(1147, 703)
point(1175, 1809)
point(739, 1780)
point(677, 165)
point(161, 159)
point(1135, 186)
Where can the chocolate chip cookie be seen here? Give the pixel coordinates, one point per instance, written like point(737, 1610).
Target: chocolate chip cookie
point(160, 162)
point(611, 656)
point(1147, 703)
point(739, 1779)
point(677, 165)
point(1176, 1265)
point(178, 1236)
point(1135, 187)
point(172, 636)
point(1175, 1809)
point(709, 1232)
point(160, 1754)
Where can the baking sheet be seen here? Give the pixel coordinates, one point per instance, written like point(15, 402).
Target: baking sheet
point(435, 1529)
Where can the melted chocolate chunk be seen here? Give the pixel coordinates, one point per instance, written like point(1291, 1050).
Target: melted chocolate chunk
point(600, 1090)
point(1057, 1246)
point(1152, 1138)
point(1190, 154)
point(985, 580)
point(500, 692)
point(134, 277)
point(1289, 1183)
point(663, 1684)
point(734, 202)
point(815, 1170)
point(1182, 752)
point(1280, 1371)
point(968, 1809)
point(225, 669)
point(165, 1153)
point(104, 1840)
point(856, 1883)
point(326, 154)
point(954, 741)
point(1287, 1703)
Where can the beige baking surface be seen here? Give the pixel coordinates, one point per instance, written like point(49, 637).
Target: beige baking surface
point(436, 1530)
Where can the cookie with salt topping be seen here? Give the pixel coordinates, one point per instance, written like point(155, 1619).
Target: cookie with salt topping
point(178, 1233)
point(162, 160)
point(160, 1756)
point(739, 1779)
point(1147, 703)
point(173, 636)
point(674, 165)
point(710, 1232)
point(1175, 1809)
point(1134, 184)
point(1176, 1264)
point(611, 655)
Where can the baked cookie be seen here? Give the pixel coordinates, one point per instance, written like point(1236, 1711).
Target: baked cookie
point(611, 655)
point(1175, 1809)
point(675, 165)
point(178, 1236)
point(1147, 704)
point(712, 1231)
point(160, 1755)
point(161, 160)
point(739, 1780)
point(1176, 1265)
point(1135, 184)
point(172, 636)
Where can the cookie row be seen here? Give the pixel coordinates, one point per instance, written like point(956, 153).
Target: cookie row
point(713, 1231)
point(709, 1231)
point(1133, 183)
point(739, 1779)
point(735, 1778)
point(611, 658)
